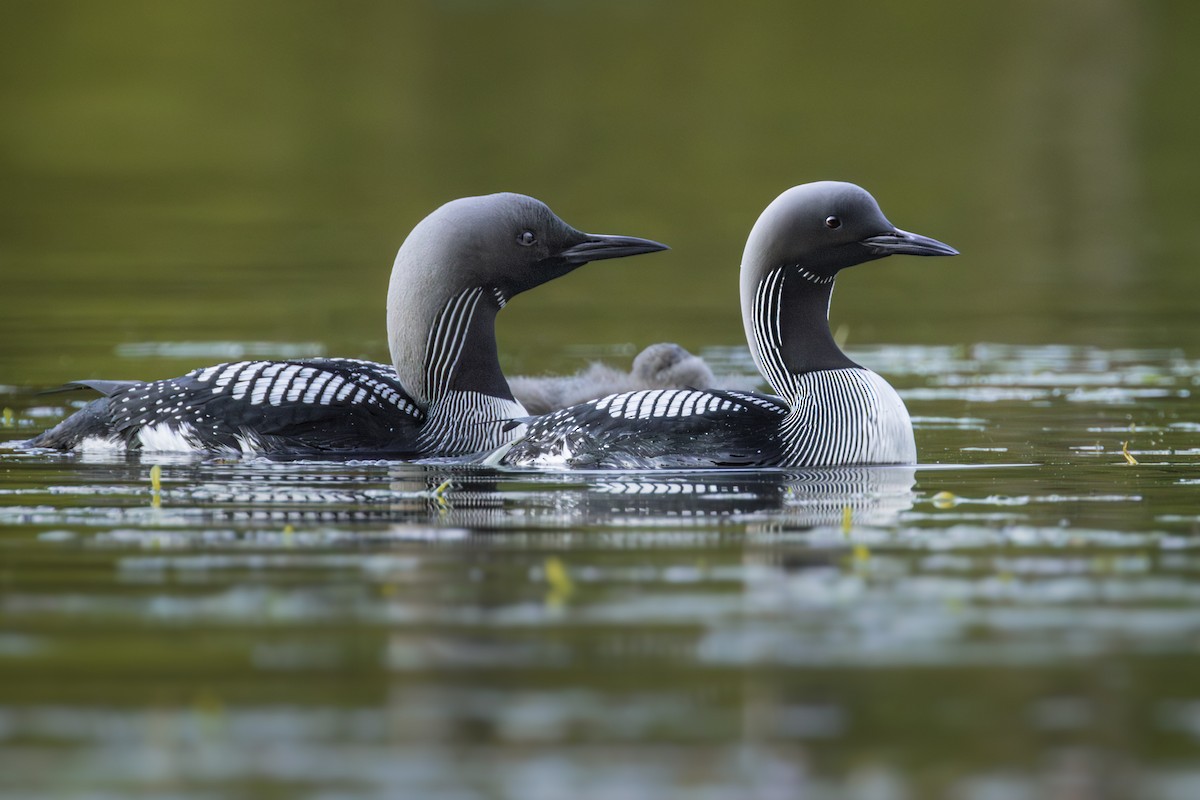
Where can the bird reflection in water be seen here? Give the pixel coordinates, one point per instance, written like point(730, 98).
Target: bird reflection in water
point(758, 499)
point(485, 501)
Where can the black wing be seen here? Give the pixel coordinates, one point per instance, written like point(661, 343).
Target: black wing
point(308, 406)
point(665, 428)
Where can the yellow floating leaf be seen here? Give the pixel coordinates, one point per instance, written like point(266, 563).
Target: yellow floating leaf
point(945, 500)
point(439, 494)
point(156, 486)
point(561, 585)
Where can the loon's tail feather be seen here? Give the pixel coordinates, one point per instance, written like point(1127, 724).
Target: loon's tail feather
point(93, 420)
point(106, 388)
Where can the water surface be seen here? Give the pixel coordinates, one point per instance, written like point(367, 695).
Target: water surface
point(1019, 611)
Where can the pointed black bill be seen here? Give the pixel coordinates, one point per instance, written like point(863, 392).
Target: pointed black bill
point(599, 246)
point(898, 242)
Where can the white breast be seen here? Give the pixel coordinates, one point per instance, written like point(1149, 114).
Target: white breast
point(848, 416)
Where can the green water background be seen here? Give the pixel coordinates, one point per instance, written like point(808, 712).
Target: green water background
point(246, 171)
point(216, 175)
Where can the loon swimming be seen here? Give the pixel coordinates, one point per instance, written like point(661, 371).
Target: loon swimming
point(829, 410)
point(443, 395)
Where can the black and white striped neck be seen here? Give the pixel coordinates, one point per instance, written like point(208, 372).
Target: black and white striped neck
point(789, 327)
point(470, 404)
point(460, 351)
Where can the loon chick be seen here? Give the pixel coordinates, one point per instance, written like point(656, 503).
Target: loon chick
point(829, 410)
point(443, 395)
point(664, 365)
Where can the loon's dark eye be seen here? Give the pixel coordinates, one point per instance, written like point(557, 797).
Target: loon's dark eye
point(527, 238)
point(832, 222)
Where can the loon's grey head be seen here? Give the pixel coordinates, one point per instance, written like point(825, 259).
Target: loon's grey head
point(506, 241)
point(798, 245)
point(502, 244)
point(826, 226)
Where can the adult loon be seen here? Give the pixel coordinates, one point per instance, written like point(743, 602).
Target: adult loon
point(829, 410)
point(443, 395)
